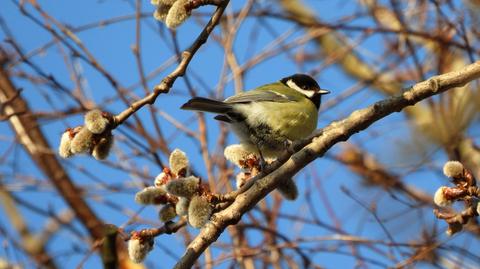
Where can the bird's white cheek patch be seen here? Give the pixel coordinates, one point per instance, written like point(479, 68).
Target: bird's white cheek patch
point(294, 86)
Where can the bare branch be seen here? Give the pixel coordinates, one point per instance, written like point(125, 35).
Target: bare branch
point(332, 134)
point(167, 82)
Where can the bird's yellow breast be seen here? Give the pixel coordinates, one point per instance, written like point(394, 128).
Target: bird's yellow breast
point(293, 120)
point(296, 122)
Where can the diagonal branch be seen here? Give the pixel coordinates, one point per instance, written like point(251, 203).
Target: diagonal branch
point(29, 134)
point(32, 138)
point(32, 244)
point(165, 85)
point(332, 134)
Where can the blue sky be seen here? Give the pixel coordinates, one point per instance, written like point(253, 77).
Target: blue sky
point(387, 140)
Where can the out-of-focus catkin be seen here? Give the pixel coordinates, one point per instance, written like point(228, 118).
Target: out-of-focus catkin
point(96, 121)
point(199, 211)
point(151, 195)
point(183, 187)
point(65, 148)
point(103, 146)
point(181, 208)
point(82, 142)
point(167, 212)
point(179, 163)
point(288, 188)
point(440, 199)
point(138, 247)
point(177, 14)
point(453, 169)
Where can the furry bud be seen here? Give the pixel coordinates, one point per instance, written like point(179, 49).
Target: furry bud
point(82, 142)
point(199, 211)
point(167, 213)
point(162, 179)
point(183, 187)
point(177, 14)
point(151, 195)
point(96, 122)
point(440, 199)
point(181, 208)
point(288, 189)
point(161, 12)
point(102, 148)
point(238, 154)
point(178, 163)
point(139, 247)
point(64, 150)
point(453, 169)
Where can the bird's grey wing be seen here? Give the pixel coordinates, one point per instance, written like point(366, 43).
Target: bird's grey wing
point(260, 95)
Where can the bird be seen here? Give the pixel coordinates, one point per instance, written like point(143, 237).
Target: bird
point(269, 117)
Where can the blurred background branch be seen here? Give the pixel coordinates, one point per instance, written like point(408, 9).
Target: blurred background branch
point(364, 204)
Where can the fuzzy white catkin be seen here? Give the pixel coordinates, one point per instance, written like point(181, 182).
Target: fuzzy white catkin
point(199, 211)
point(64, 150)
point(439, 198)
point(102, 148)
point(177, 14)
point(453, 169)
point(183, 187)
point(147, 196)
point(160, 180)
point(82, 142)
point(288, 189)
point(167, 212)
point(161, 12)
point(95, 121)
point(138, 249)
point(237, 154)
point(178, 162)
point(181, 208)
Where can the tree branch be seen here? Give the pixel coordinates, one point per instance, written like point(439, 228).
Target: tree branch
point(167, 82)
point(35, 143)
point(32, 244)
point(28, 132)
point(332, 134)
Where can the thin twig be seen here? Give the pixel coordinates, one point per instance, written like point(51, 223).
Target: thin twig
point(332, 134)
point(165, 85)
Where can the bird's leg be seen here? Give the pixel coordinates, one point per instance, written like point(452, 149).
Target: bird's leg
point(262, 163)
point(251, 164)
point(287, 143)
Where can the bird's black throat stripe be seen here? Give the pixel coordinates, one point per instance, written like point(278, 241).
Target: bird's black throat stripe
point(316, 100)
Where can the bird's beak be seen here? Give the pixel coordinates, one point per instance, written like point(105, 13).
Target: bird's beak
point(323, 91)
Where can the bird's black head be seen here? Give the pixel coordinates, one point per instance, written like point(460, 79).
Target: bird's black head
point(307, 86)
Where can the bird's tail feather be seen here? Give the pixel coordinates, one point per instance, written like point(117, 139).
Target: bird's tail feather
point(207, 105)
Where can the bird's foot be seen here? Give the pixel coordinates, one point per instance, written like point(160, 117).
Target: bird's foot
point(288, 145)
point(253, 164)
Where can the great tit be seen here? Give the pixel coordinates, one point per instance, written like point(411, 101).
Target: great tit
point(270, 116)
